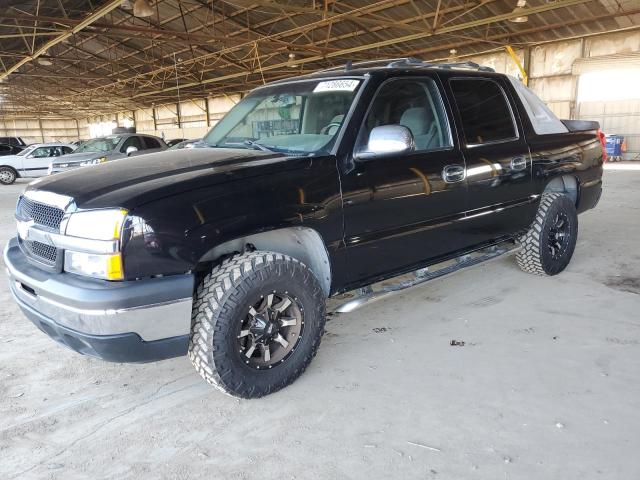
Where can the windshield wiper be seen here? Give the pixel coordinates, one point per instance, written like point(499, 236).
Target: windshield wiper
point(256, 145)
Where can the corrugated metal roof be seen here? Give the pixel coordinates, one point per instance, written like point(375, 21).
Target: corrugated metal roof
point(204, 47)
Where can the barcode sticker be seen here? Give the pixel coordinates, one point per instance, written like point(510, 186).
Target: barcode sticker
point(346, 85)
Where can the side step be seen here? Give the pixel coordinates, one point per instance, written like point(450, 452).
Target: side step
point(368, 294)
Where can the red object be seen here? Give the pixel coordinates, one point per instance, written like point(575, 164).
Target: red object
point(603, 142)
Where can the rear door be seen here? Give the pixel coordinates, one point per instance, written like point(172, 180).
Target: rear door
point(399, 211)
point(152, 144)
point(499, 200)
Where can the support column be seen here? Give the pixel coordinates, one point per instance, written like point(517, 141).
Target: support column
point(516, 60)
point(155, 121)
point(207, 112)
point(41, 131)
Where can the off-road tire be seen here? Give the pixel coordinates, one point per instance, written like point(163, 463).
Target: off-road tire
point(535, 256)
point(222, 300)
point(7, 175)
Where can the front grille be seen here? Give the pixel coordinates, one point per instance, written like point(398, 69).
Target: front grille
point(45, 253)
point(41, 213)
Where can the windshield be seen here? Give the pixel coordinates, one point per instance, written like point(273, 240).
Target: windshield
point(105, 144)
point(301, 118)
point(26, 151)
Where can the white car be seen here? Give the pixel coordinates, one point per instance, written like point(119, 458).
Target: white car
point(32, 162)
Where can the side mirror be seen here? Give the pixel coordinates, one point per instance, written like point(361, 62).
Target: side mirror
point(131, 149)
point(386, 140)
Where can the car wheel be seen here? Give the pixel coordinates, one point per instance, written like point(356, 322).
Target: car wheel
point(257, 322)
point(7, 175)
point(548, 246)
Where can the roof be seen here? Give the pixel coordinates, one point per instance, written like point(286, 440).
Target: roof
point(395, 65)
point(50, 144)
point(79, 58)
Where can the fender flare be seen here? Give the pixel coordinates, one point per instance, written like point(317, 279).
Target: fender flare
point(302, 243)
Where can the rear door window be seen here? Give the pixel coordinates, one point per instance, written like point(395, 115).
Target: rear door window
point(151, 142)
point(485, 111)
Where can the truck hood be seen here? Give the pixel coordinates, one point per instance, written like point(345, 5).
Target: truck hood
point(133, 181)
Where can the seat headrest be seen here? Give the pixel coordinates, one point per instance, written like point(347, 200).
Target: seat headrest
point(337, 119)
point(417, 120)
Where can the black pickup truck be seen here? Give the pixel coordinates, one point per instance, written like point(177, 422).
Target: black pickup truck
point(311, 187)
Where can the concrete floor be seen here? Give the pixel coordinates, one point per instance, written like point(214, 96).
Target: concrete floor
point(546, 386)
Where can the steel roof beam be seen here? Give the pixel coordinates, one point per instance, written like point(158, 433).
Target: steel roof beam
point(101, 12)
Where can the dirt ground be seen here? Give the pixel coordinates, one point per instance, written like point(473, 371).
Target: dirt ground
point(545, 387)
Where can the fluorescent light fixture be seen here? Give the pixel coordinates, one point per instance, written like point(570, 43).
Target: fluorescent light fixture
point(520, 7)
point(142, 8)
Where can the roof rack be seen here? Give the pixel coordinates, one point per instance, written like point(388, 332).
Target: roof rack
point(409, 62)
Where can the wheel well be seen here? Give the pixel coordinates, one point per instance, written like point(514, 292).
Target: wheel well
point(567, 184)
point(301, 243)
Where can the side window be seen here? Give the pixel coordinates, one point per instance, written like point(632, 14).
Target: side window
point(41, 152)
point(484, 109)
point(412, 103)
point(56, 151)
point(132, 142)
point(66, 150)
point(151, 142)
point(542, 119)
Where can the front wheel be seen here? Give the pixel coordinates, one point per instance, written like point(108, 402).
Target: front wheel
point(548, 246)
point(7, 175)
point(257, 322)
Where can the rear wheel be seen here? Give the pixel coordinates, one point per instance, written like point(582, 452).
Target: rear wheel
point(548, 246)
point(257, 322)
point(7, 175)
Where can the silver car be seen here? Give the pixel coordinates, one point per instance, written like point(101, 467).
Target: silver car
point(33, 161)
point(104, 149)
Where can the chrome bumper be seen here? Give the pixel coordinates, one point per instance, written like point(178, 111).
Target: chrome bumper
point(153, 309)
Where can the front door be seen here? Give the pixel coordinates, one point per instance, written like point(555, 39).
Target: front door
point(36, 163)
point(399, 209)
point(497, 158)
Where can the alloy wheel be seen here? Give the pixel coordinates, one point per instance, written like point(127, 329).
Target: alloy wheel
point(559, 234)
point(270, 331)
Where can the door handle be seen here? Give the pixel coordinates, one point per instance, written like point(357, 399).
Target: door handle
point(518, 163)
point(454, 173)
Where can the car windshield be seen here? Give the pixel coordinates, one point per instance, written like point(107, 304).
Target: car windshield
point(104, 144)
point(26, 151)
point(299, 118)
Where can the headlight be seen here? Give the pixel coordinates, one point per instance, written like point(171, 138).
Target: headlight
point(108, 267)
point(96, 224)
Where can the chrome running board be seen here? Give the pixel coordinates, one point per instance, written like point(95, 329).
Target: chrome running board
point(368, 294)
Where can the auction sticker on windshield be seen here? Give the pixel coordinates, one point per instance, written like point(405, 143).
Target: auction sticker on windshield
point(346, 85)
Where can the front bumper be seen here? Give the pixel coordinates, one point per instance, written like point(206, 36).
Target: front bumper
point(129, 321)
